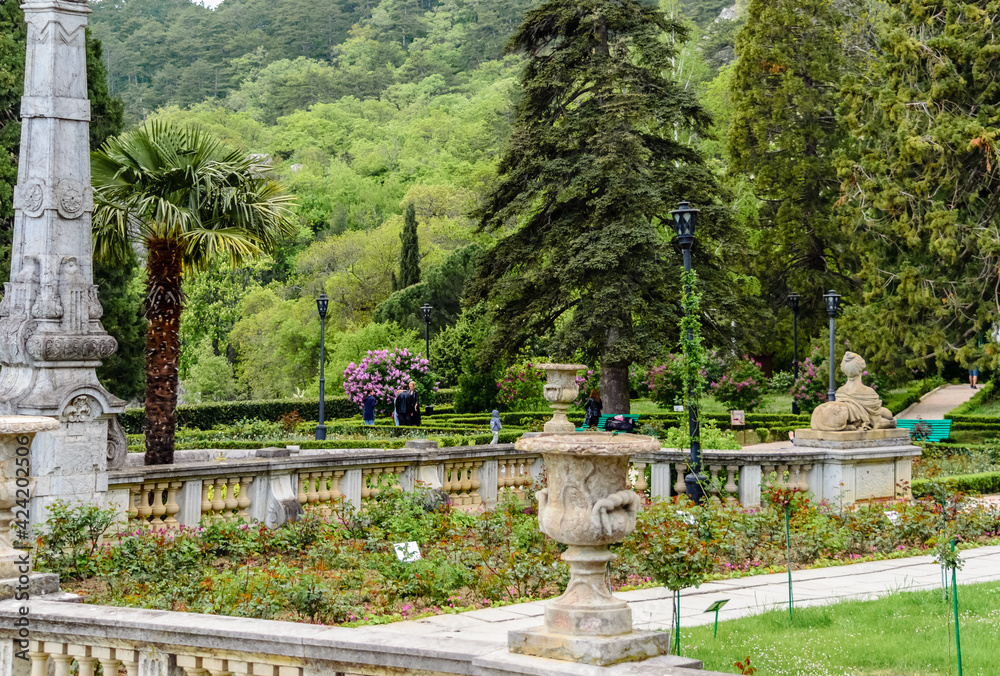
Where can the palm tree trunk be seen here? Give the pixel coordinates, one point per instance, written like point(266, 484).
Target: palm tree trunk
point(163, 309)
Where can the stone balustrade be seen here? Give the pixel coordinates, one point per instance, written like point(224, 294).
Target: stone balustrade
point(78, 639)
point(273, 485)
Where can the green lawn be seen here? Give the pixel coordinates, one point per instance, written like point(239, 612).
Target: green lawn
point(905, 634)
point(773, 403)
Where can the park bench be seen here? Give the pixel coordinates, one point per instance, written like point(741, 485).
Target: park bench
point(934, 430)
point(602, 423)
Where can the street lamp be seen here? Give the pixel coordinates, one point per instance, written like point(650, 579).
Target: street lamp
point(425, 309)
point(322, 303)
point(832, 299)
point(685, 219)
point(793, 303)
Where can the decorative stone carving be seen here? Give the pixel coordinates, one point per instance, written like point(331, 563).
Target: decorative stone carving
point(117, 444)
point(560, 391)
point(54, 348)
point(72, 198)
point(94, 309)
point(587, 505)
point(30, 198)
point(81, 409)
point(856, 407)
point(282, 502)
point(16, 435)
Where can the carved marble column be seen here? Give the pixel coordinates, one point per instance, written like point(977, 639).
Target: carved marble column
point(51, 337)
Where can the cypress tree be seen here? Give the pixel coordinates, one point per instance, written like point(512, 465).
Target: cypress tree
point(409, 257)
point(783, 139)
point(585, 189)
point(923, 185)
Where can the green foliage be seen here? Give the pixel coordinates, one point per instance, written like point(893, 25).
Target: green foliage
point(670, 541)
point(588, 180)
point(69, 538)
point(919, 185)
point(520, 387)
point(119, 288)
point(409, 255)
point(711, 437)
point(741, 387)
point(784, 137)
point(984, 483)
point(211, 377)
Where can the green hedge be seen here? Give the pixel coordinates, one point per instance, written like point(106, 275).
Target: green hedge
point(984, 395)
point(986, 482)
point(207, 416)
point(279, 443)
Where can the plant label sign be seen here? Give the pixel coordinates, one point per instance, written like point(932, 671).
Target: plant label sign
point(893, 517)
point(737, 418)
point(686, 517)
point(678, 408)
point(407, 552)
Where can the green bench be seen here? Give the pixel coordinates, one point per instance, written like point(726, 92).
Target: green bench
point(602, 423)
point(939, 429)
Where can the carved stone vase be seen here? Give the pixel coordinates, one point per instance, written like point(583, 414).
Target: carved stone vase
point(560, 391)
point(587, 505)
point(16, 483)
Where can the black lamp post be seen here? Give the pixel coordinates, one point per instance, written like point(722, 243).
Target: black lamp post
point(832, 299)
point(685, 219)
point(793, 303)
point(322, 303)
point(426, 310)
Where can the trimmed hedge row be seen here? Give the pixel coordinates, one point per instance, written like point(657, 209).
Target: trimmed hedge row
point(985, 482)
point(961, 412)
point(396, 443)
point(207, 416)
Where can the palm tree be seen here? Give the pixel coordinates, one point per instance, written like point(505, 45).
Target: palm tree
point(188, 199)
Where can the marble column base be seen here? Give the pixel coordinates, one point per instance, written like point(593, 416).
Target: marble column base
point(599, 651)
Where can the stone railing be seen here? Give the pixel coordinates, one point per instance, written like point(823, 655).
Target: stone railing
point(76, 638)
point(273, 485)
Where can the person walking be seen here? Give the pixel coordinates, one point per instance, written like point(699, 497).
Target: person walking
point(592, 409)
point(973, 377)
point(495, 427)
point(368, 415)
point(397, 408)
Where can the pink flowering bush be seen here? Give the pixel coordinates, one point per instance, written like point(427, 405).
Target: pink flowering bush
point(666, 381)
point(520, 388)
point(742, 386)
point(385, 372)
point(810, 388)
point(591, 381)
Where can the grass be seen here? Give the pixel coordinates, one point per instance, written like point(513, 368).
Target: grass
point(991, 407)
point(904, 634)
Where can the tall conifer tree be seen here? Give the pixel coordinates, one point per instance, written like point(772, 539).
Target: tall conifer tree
point(592, 171)
point(923, 187)
point(409, 256)
point(784, 137)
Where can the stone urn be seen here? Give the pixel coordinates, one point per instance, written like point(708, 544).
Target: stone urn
point(560, 391)
point(16, 482)
point(587, 504)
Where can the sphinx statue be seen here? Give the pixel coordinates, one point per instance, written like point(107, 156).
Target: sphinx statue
point(857, 406)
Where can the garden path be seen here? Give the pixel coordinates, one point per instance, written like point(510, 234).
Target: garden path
point(651, 608)
point(936, 403)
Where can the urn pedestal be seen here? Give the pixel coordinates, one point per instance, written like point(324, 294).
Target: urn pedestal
point(560, 391)
point(588, 505)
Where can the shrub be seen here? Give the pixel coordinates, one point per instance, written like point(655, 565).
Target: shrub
point(810, 388)
point(666, 380)
point(987, 482)
point(385, 372)
point(520, 387)
point(741, 386)
point(781, 382)
point(70, 536)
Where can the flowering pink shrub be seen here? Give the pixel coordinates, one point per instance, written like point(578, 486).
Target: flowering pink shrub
point(810, 388)
point(666, 381)
point(521, 387)
point(385, 372)
point(741, 387)
point(591, 381)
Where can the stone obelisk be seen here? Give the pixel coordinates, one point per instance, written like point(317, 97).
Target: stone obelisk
point(51, 337)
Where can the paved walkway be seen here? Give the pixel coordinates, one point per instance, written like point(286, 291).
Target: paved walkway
point(651, 608)
point(935, 404)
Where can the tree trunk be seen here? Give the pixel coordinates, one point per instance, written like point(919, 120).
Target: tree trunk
point(163, 309)
point(614, 388)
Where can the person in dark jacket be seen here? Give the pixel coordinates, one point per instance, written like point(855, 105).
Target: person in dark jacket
point(368, 415)
point(592, 409)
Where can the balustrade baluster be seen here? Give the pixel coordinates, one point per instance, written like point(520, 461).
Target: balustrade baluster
point(303, 480)
point(641, 485)
point(714, 484)
point(219, 502)
point(231, 501)
point(366, 477)
point(785, 483)
point(731, 487)
point(804, 480)
point(474, 496)
point(61, 663)
point(312, 488)
point(768, 472)
point(466, 483)
point(84, 659)
point(134, 492)
point(144, 508)
point(172, 507)
point(325, 492)
point(335, 493)
point(39, 659)
point(243, 501)
point(206, 502)
point(158, 508)
point(680, 488)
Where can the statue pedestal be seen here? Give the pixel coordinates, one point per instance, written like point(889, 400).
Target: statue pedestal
point(860, 466)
